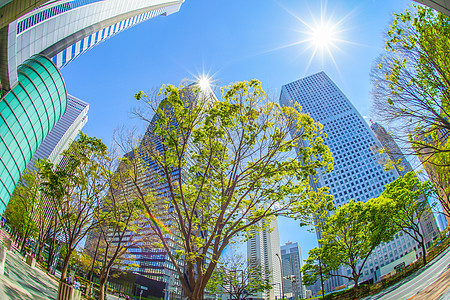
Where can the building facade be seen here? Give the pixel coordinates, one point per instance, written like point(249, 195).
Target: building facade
point(442, 6)
point(27, 114)
point(291, 257)
point(428, 224)
point(63, 133)
point(63, 30)
point(49, 36)
point(358, 169)
point(145, 258)
point(264, 249)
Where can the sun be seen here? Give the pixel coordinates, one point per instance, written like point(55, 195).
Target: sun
point(204, 82)
point(323, 35)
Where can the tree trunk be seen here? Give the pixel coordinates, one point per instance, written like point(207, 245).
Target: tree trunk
point(103, 280)
point(321, 279)
point(197, 294)
point(51, 253)
point(52, 246)
point(39, 253)
point(356, 282)
point(24, 241)
point(92, 267)
point(66, 265)
point(424, 253)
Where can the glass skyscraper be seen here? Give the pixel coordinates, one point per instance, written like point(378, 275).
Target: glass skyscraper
point(291, 256)
point(358, 171)
point(427, 222)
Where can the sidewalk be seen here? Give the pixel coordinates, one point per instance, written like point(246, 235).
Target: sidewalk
point(22, 282)
point(440, 289)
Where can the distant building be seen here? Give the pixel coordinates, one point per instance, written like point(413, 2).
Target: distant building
point(357, 173)
point(442, 221)
point(63, 133)
point(291, 257)
point(264, 248)
point(401, 164)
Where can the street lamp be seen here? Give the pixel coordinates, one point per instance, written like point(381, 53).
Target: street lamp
point(281, 270)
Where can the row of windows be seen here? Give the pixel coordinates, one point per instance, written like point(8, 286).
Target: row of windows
point(69, 54)
point(50, 12)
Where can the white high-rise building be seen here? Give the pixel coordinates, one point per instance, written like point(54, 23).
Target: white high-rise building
point(62, 30)
point(63, 133)
point(264, 249)
point(358, 165)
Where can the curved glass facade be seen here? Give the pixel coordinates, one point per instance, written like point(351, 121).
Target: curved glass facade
point(27, 113)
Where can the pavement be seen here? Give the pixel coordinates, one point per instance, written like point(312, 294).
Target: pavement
point(22, 282)
point(430, 283)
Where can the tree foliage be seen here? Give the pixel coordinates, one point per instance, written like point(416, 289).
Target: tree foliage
point(227, 164)
point(76, 190)
point(238, 277)
point(411, 79)
point(406, 198)
point(121, 212)
point(348, 238)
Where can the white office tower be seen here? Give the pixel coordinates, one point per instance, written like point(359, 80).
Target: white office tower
point(358, 165)
point(63, 133)
point(64, 29)
point(291, 257)
point(264, 249)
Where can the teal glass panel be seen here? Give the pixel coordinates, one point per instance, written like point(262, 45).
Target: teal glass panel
point(41, 100)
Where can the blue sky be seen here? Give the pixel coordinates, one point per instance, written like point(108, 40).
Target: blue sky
point(231, 40)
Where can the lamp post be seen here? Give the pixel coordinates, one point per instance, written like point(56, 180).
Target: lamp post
point(281, 270)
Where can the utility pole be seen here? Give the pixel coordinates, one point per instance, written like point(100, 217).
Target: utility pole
point(281, 269)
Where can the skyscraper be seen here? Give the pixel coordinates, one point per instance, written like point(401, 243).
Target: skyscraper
point(427, 221)
point(57, 31)
point(264, 249)
point(291, 257)
point(63, 133)
point(63, 30)
point(358, 169)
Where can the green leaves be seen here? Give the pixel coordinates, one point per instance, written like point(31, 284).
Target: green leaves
point(348, 237)
point(230, 165)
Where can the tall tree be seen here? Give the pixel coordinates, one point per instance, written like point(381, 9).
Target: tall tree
point(26, 213)
point(348, 238)
point(406, 197)
point(76, 190)
point(238, 277)
point(411, 80)
point(227, 164)
point(122, 213)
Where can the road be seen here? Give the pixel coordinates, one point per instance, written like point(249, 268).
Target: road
point(418, 281)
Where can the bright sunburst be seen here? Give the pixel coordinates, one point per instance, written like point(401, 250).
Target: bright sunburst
point(322, 36)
